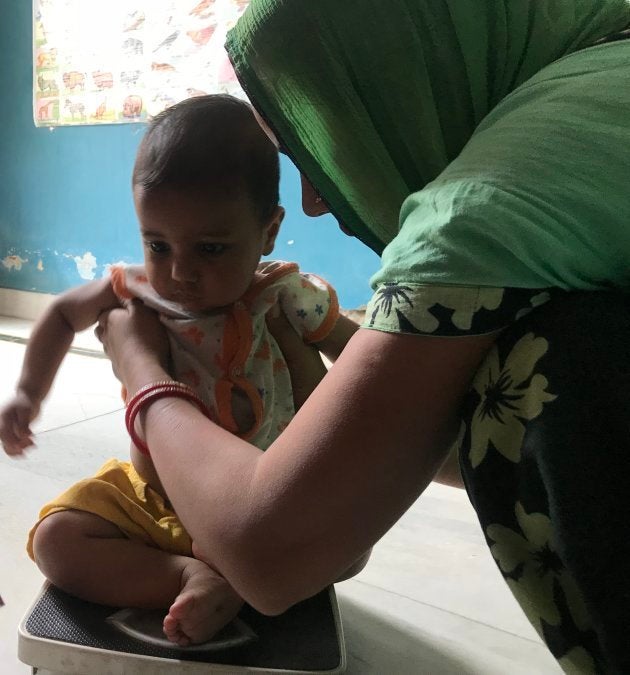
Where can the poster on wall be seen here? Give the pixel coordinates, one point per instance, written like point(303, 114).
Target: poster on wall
point(121, 61)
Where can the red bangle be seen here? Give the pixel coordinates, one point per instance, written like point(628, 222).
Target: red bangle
point(132, 401)
point(156, 385)
point(152, 392)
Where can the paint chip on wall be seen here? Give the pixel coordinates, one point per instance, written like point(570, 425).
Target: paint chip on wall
point(14, 262)
point(40, 265)
point(86, 264)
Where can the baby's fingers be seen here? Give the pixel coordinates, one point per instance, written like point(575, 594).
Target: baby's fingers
point(15, 448)
point(21, 428)
point(15, 444)
point(18, 449)
point(14, 440)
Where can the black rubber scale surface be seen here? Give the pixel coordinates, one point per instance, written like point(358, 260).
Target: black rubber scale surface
point(303, 638)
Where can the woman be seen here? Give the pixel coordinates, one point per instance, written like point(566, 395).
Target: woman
point(481, 146)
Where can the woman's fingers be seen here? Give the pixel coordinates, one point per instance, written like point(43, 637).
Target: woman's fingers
point(133, 335)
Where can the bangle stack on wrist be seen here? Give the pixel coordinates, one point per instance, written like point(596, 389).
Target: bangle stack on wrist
point(152, 392)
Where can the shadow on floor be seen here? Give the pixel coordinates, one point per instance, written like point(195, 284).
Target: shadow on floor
point(386, 647)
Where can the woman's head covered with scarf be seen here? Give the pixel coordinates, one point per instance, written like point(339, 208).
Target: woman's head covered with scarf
point(374, 99)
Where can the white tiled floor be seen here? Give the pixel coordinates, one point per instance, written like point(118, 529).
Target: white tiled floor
point(430, 601)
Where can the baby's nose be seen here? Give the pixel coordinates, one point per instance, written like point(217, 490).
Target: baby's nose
point(183, 271)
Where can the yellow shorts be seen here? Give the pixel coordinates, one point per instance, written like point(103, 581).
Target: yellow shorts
point(118, 494)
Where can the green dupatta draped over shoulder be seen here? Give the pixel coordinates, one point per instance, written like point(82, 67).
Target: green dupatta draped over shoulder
point(374, 100)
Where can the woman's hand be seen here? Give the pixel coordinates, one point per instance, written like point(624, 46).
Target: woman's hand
point(136, 343)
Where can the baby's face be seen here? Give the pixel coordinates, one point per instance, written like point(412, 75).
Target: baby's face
point(201, 252)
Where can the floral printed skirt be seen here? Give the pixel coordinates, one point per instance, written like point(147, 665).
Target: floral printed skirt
point(545, 455)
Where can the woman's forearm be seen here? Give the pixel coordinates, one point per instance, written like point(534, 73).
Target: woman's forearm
point(244, 511)
point(281, 525)
point(141, 372)
point(208, 474)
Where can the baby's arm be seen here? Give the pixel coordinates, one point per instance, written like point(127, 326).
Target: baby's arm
point(333, 344)
point(49, 342)
point(303, 360)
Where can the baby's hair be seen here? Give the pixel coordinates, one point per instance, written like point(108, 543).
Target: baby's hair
point(210, 142)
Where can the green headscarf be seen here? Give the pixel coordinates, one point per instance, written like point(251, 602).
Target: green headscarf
point(374, 98)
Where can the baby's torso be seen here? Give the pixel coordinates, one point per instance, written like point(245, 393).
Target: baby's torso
point(229, 357)
point(236, 368)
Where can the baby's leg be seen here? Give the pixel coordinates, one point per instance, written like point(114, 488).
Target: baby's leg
point(92, 559)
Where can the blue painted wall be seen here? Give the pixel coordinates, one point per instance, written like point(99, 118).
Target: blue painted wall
point(64, 193)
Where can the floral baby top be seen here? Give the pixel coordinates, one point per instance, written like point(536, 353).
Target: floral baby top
point(231, 349)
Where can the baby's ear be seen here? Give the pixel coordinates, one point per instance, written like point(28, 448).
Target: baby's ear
point(271, 230)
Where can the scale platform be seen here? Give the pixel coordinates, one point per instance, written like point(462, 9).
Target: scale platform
point(61, 634)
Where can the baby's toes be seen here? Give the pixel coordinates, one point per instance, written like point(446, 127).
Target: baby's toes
point(173, 630)
point(181, 606)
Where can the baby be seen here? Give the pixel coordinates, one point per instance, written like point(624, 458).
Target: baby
point(205, 186)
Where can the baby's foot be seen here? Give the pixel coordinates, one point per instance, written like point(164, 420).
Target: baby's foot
point(206, 602)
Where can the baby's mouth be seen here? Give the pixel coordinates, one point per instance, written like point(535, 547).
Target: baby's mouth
point(184, 298)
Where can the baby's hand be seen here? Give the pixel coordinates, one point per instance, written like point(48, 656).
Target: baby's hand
point(15, 419)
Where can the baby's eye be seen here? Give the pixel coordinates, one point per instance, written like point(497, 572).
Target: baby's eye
point(157, 246)
point(212, 249)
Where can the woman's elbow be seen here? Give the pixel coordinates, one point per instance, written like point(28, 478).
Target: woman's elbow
point(272, 584)
point(273, 596)
point(270, 573)
point(270, 599)
point(270, 592)
point(266, 581)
